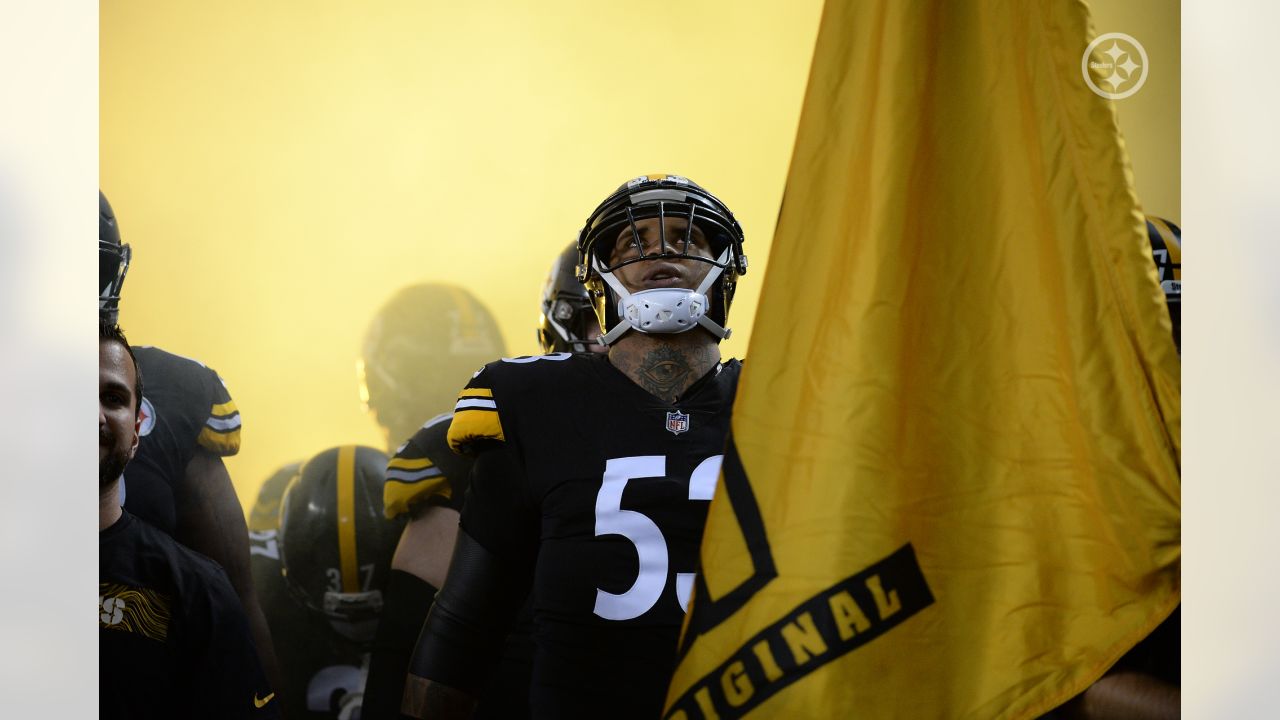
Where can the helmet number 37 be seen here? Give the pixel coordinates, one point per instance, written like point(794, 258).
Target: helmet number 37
point(644, 533)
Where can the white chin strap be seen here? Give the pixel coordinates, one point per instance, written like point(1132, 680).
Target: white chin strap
point(663, 310)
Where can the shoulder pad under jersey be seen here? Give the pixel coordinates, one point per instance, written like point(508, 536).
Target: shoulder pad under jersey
point(498, 385)
point(417, 472)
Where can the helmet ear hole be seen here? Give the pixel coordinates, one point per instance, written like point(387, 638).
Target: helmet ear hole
point(568, 307)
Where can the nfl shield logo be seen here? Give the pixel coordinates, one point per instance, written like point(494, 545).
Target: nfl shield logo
point(677, 422)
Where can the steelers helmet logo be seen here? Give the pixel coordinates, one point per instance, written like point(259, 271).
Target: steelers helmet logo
point(146, 417)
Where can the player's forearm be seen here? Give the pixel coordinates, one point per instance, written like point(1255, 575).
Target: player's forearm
point(406, 601)
point(426, 545)
point(430, 700)
point(211, 521)
point(472, 613)
point(1127, 695)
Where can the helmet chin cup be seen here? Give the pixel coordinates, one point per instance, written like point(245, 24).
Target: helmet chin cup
point(663, 310)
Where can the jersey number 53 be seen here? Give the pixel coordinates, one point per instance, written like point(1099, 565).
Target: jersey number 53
point(644, 533)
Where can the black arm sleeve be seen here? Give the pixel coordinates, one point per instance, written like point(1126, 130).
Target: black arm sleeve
point(407, 599)
point(463, 635)
point(489, 576)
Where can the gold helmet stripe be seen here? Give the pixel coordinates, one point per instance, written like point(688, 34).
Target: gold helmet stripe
point(347, 518)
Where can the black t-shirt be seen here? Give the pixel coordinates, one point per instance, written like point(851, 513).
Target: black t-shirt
point(322, 670)
point(173, 638)
point(610, 486)
point(185, 406)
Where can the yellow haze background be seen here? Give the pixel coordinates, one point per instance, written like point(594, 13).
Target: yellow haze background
point(282, 168)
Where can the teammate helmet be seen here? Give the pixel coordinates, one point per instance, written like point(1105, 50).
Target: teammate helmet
point(419, 350)
point(567, 319)
point(265, 513)
point(661, 310)
point(113, 262)
point(335, 544)
point(1166, 249)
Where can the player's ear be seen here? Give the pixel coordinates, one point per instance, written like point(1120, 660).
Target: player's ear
point(137, 429)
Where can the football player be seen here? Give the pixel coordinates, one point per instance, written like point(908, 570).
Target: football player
point(422, 343)
point(320, 578)
point(178, 482)
point(593, 473)
point(427, 481)
point(567, 318)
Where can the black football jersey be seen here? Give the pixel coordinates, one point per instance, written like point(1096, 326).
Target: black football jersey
point(424, 470)
point(173, 640)
point(323, 672)
point(185, 405)
point(611, 486)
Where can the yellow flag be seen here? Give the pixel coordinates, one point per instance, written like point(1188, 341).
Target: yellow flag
point(953, 484)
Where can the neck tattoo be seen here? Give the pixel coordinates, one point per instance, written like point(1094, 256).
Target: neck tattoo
point(664, 369)
point(665, 372)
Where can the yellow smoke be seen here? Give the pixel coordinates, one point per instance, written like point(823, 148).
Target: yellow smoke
point(282, 168)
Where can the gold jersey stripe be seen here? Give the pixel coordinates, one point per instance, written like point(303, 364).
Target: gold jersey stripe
point(398, 497)
point(475, 393)
point(471, 425)
point(222, 443)
point(409, 463)
point(224, 409)
point(347, 518)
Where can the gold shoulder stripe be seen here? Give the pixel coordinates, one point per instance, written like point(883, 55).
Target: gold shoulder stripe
point(398, 463)
point(398, 497)
point(475, 393)
point(221, 443)
point(471, 425)
point(224, 409)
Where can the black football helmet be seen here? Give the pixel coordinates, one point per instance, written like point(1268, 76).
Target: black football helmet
point(335, 543)
point(567, 319)
point(423, 345)
point(1166, 250)
point(660, 197)
point(265, 513)
point(113, 262)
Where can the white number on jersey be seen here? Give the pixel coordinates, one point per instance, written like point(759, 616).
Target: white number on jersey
point(644, 533)
point(264, 543)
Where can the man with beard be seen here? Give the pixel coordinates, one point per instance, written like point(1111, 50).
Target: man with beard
point(173, 637)
point(177, 481)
